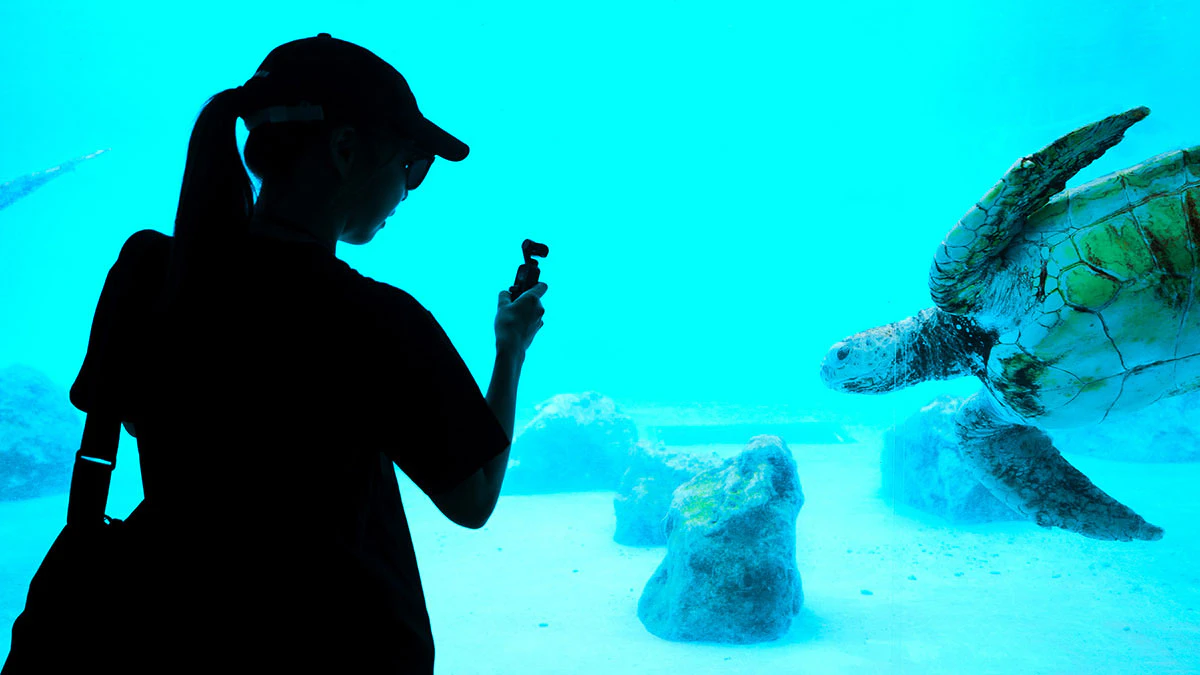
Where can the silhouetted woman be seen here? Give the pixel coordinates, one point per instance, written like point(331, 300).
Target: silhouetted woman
point(272, 389)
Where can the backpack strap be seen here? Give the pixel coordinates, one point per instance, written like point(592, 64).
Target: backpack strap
point(92, 475)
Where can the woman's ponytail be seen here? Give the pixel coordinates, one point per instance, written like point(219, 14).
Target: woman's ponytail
point(216, 201)
point(217, 198)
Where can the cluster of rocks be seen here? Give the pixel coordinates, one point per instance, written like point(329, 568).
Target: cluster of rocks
point(729, 526)
point(729, 573)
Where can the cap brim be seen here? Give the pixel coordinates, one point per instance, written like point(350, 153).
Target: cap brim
point(439, 142)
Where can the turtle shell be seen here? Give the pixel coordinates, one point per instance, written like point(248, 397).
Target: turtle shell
point(1103, 278)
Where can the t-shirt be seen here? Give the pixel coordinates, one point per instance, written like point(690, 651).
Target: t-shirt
point(272, 399)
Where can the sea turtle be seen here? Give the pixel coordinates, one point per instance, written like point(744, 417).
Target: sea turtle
point(22, 186)
point(1069, 307)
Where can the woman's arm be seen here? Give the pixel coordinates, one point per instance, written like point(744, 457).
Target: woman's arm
point(472, 501)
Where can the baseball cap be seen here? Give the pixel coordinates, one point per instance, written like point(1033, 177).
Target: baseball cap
point(324, 78)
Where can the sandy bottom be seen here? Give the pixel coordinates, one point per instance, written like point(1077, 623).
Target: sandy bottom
point(997, 598)
point(544, 589)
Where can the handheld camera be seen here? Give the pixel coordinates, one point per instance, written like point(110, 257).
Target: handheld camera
point(527, 274)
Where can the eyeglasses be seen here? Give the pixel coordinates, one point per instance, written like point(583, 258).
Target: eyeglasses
point(415, 169)
point(416, 166)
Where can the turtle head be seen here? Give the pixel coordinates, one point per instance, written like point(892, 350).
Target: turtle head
point(864, 363)
point(932, 345)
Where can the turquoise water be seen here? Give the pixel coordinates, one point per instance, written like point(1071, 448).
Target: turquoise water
point(726, 190)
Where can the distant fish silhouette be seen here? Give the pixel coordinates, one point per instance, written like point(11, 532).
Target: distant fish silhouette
point(21, 186)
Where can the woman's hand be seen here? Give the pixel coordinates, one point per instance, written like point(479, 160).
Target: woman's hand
point(517, 321)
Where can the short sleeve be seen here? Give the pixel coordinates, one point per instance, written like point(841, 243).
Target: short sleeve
point(448, 430)
point(98, 383)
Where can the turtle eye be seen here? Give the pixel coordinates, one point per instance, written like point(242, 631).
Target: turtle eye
point(843, 353)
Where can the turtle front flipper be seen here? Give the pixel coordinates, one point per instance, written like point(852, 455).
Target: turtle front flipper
point(1020, 466)
point(967, 259)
